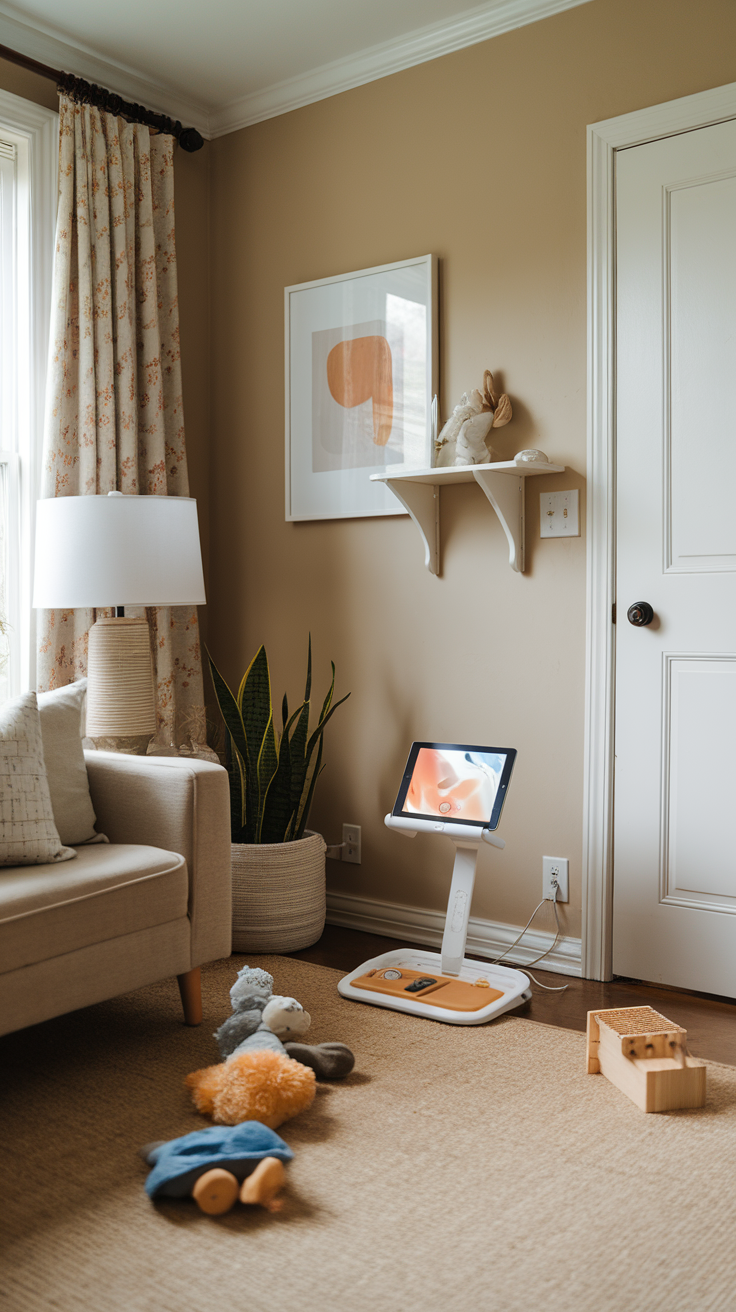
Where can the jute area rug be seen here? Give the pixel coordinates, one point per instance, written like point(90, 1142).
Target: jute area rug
point(456, 1168)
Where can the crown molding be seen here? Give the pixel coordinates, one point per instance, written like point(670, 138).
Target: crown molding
point(476, 25)
point(479, 24)
point(39, 43)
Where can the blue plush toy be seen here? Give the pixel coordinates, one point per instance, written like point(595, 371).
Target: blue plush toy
point(216, 1165)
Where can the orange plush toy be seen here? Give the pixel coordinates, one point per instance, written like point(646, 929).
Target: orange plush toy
point(262, 1078)
point(263, 1086)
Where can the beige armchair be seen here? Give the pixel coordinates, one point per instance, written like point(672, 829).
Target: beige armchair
point(154, 902)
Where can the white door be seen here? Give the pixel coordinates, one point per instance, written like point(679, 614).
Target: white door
point(675, 770)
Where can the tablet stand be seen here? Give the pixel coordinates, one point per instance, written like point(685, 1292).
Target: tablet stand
point(442, 986)
point(458, 908)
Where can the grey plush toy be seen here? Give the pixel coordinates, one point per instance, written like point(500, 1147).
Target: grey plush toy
point(261, 1020)
point(248, 996)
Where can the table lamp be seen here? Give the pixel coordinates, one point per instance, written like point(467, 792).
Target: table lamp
point(117, 551)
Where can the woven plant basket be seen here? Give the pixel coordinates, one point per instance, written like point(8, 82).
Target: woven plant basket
point(278, 894)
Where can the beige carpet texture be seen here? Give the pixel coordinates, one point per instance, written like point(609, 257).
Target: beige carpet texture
point(457, 1168)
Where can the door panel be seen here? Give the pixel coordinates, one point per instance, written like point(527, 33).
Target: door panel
point(700, 378)
point(700, 770)
point(675, 771)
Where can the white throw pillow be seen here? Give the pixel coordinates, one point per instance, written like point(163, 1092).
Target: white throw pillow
point(62, 728)
point(28, 835)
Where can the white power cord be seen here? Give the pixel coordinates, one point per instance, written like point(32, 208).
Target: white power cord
point(549, 987)
point(335, 849)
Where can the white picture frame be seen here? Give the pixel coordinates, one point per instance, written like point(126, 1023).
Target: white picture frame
point(361, 371)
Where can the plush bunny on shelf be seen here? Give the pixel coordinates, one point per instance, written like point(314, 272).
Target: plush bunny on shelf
point(466, 431)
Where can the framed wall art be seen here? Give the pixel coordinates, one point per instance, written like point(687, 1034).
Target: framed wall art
point(361, 371)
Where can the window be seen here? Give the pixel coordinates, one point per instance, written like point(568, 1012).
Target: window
point(28, 155)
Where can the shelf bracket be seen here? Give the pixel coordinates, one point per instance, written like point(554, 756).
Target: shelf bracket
point(422, 500)
point(502, 483)
point(506, 494)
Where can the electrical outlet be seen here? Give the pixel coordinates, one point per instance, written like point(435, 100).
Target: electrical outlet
point(351, 840)
point(555, 867)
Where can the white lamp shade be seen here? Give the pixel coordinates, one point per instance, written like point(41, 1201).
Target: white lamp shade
point(117, 550)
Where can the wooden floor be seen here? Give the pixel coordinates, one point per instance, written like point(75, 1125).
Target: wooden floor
point(710, 1023)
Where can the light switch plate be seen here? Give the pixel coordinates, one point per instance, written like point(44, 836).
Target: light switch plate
point(558, 515)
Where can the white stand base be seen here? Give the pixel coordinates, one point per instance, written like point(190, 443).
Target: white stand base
point(513, 984)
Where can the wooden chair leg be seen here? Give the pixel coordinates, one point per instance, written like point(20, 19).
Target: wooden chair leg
point(190, 988)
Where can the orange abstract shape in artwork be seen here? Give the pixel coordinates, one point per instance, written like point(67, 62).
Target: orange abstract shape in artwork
point(360, 370)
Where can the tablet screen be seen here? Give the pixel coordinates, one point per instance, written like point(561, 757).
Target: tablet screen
point(455, 782)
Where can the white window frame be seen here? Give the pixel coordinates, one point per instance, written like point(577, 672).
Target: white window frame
point(34, 130)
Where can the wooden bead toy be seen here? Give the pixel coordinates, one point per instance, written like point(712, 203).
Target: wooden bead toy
point(645, 1056)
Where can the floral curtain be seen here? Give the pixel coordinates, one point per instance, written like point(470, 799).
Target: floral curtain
point(114, 414)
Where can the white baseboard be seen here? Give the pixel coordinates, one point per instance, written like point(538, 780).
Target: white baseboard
point(486, 938)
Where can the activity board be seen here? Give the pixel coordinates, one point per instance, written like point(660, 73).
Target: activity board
point(412, 980)
point(456, 790)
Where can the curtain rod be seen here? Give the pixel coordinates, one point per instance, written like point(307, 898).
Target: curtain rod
point(88, 94)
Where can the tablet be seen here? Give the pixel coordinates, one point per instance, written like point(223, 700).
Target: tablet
point(455, 782)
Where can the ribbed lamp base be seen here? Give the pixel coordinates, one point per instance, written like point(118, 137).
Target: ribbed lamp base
point(120, 695)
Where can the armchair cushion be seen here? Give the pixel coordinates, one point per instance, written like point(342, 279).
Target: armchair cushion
point(28, 834)
point(61, 712)
point(107, 892)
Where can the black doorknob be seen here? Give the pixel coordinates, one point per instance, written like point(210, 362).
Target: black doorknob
point(640, 613)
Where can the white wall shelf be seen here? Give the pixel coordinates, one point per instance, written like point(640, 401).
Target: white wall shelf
point(418, 490)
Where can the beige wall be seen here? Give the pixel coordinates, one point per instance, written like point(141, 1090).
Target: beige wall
point(28, 85)
point(478, 157)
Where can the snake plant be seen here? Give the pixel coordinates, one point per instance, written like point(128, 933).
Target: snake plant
point(272, 777)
